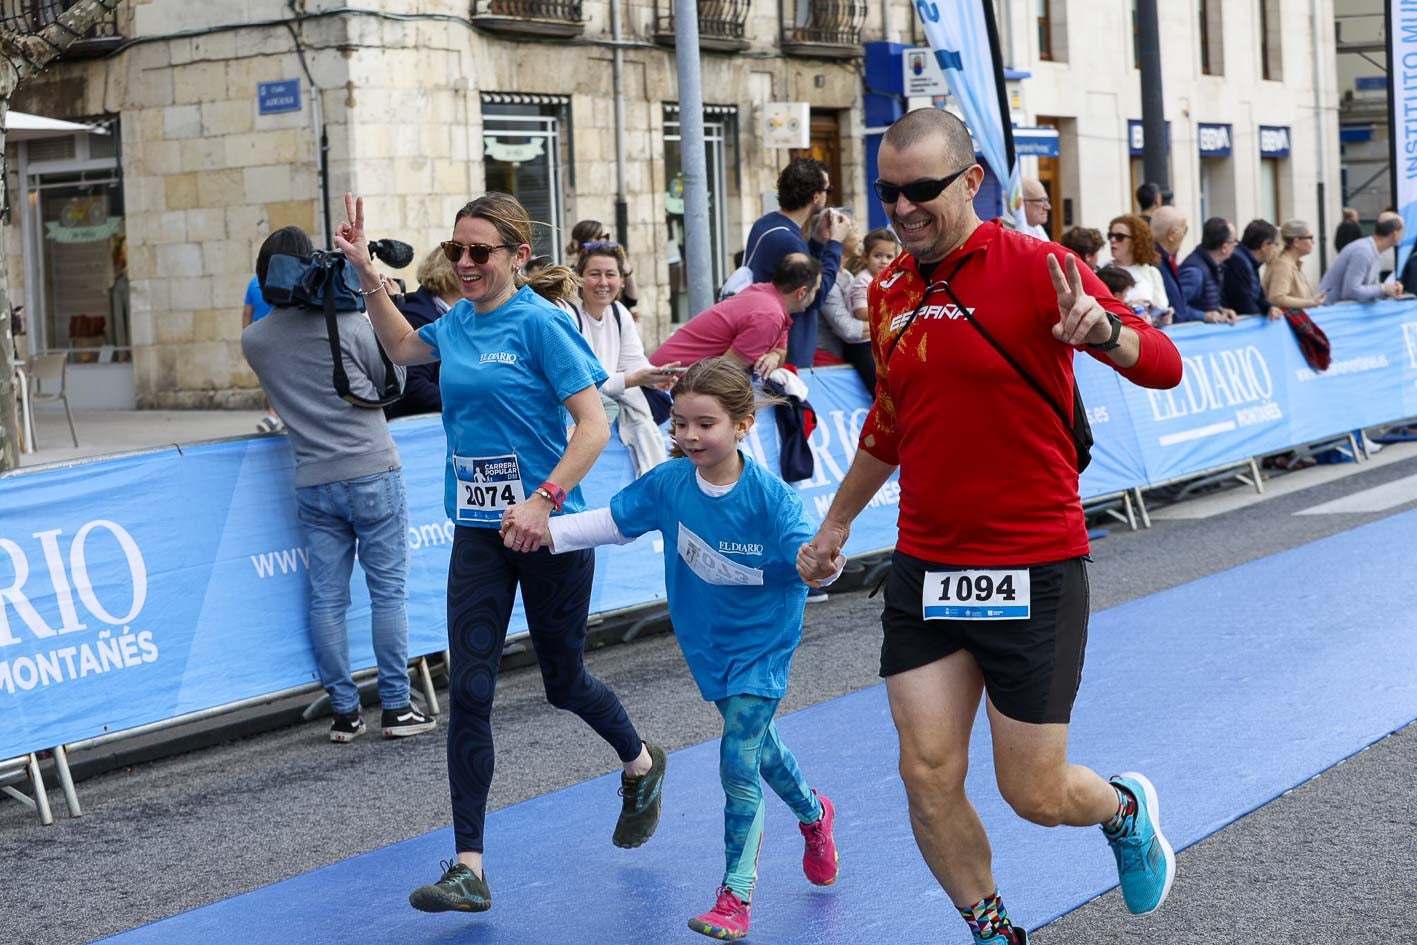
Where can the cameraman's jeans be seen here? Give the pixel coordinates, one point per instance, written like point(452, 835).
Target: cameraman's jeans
point(370, 515)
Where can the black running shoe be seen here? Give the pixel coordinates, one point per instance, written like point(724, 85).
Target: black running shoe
point(346, 728)
point(460, 890)
point(400, 723)
point(640, 813)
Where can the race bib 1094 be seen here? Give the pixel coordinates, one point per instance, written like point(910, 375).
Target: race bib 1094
point(976, 595)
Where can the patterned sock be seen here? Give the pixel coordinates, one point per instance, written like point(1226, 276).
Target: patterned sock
point(1126, 809)
point(987, 917)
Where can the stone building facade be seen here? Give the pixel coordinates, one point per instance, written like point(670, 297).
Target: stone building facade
point(422, 106)
point(138, 245)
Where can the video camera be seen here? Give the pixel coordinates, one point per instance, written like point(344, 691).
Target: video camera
point(323, 278)
point(325, 282)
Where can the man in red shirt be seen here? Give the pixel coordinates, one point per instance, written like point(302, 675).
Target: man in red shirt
point(988, 589)
point(750, 327)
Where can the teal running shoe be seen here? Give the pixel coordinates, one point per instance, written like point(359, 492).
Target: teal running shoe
point(1146, 865)
point(1013, 936)
point(460, 890)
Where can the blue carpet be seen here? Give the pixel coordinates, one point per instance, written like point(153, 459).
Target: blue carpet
point(1227, 692)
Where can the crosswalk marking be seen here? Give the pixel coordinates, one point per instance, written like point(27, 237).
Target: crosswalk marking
point(1377, 499)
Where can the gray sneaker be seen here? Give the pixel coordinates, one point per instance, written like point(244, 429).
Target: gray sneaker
point(460, 890)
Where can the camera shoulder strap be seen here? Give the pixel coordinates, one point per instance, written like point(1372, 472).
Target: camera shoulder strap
point(392, 390)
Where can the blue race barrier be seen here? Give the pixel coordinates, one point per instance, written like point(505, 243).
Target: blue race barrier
point(137, 589)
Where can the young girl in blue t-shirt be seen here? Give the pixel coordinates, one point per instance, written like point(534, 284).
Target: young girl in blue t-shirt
point(732, 531)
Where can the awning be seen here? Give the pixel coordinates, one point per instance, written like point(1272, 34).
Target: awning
point(21, 126)
point(1036, 142)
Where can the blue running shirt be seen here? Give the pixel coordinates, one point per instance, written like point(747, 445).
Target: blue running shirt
point(504, 377)
point(730, 571)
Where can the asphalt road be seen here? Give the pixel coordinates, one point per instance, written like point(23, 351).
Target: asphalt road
point(1332, 861)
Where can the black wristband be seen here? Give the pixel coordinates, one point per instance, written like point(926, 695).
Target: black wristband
point(1112, 342)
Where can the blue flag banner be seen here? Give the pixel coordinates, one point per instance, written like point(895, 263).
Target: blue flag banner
point(140, 588)
point(1402, 118)
point(965, 41)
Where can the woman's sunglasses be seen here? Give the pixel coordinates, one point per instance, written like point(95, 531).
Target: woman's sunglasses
point(600, 244)
point(917, 191)
point(480, 252)
point(1118, 237)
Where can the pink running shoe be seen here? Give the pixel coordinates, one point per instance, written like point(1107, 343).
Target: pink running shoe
point(820, 857)
point(727, 920)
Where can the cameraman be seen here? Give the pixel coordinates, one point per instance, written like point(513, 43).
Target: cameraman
point(349, 492)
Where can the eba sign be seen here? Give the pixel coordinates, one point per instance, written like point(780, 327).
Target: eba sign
point(1214, 140)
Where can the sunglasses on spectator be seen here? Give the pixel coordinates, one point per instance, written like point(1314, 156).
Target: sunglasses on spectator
point(600, 244)
point(1118, 237)
point(917, 191)
point(480, 252)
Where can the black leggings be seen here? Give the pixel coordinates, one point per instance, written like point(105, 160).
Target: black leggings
point(482, 581)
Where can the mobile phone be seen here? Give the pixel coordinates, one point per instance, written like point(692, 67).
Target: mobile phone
point(671, 370)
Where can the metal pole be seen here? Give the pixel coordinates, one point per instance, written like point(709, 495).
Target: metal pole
point(1153, 109)
point(698, 264)
point(617, 71)
point(1321, 129)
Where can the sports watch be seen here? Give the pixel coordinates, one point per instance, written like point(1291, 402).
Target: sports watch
point(1116, 322)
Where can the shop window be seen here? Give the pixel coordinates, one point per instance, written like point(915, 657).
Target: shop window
point(720, 147)
point(526, 154)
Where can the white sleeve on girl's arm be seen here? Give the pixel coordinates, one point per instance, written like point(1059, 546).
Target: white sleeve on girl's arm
point(581, 530)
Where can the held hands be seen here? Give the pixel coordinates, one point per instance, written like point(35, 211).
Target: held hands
point(524, 525)
point(1080, 319)
point(820, 558)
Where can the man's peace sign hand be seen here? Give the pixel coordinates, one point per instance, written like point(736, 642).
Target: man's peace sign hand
point(1080, 319)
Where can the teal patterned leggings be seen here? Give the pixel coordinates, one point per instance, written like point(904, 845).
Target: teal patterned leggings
point(750, 749)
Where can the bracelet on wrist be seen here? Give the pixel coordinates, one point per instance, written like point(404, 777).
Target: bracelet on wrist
point(381, 287)
point(552, 493)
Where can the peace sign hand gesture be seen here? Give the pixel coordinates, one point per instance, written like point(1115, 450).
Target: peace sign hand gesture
point(1080, 319)
point(350, 238)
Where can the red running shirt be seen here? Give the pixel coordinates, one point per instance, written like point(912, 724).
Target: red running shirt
point(988, 474)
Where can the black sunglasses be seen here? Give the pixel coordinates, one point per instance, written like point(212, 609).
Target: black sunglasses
point(480, 252)
point(1118, 237)
point(917, 191)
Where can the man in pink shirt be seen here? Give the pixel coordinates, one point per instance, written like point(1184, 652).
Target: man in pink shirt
point(750, 327)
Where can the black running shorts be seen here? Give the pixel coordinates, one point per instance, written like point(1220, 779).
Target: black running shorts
point(1031, 666)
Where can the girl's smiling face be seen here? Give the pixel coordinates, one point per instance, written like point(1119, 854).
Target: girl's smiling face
point(707, 435)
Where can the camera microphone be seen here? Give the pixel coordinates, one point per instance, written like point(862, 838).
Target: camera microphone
point(394, 253)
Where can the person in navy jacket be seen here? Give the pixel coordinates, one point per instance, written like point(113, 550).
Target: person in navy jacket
point(1169, 227)
point(1243, 290)
point(1202, 275)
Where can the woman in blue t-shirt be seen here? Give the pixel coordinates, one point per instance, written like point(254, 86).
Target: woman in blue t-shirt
point(732, 532)
point(513, 368)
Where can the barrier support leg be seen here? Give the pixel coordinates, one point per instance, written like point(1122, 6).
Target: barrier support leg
point(1141, 507)
point(1255, 479)
point(430, 695)
point(41, 797)
point(66, 781)
point(1131, 511)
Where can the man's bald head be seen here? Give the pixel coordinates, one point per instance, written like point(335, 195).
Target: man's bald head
point(1168, 225)
point(928, 126)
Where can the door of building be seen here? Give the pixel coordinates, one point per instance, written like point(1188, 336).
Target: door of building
point(826, 147)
